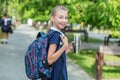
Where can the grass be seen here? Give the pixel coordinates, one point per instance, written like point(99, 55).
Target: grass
point(86, 60)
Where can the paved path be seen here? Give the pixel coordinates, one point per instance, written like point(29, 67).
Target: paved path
point(12, 57)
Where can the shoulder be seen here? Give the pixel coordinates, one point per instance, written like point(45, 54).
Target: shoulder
point(53, 33)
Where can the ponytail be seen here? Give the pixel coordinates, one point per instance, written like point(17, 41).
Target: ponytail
point(49, 25)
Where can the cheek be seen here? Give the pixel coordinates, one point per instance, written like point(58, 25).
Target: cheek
point(58, 20)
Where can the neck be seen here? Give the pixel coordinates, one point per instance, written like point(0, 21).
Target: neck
point(54, 28)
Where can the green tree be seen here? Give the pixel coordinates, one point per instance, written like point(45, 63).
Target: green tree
point(102, 13)
point(96, 12)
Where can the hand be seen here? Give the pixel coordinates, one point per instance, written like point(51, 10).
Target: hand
point(64, 40)
point(71, 45)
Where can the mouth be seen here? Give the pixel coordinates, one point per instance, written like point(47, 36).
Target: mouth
point(63, 25)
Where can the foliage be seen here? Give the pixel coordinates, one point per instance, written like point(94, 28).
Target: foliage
point(102, 13)
point(105, 13)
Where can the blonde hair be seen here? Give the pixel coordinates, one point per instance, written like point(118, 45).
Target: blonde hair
point(55, 9)
point(53, 12)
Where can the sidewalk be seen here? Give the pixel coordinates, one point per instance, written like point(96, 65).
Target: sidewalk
point(12, 57)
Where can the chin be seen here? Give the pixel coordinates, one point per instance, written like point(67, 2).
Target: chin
point(62, 27)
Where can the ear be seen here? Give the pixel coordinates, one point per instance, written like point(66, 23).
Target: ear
point(52, 18)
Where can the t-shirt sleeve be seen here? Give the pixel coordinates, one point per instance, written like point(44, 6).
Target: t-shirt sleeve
point(54, 38)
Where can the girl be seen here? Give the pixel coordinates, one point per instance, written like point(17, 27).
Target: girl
point(58, 43)
point(5, 29)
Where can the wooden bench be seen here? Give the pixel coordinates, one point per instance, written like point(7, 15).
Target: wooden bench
point(100, 62)
point(107, 40)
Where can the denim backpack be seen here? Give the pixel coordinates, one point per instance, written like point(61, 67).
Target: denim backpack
point(36, 65)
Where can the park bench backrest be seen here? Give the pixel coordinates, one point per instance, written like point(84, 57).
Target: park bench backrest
point(113, 50)
point(100, 61)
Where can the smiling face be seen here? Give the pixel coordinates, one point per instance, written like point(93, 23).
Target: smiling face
point(60, 19)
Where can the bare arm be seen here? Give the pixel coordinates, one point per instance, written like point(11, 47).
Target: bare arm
point(53, 55)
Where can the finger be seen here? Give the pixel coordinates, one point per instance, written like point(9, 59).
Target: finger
point(62, 36)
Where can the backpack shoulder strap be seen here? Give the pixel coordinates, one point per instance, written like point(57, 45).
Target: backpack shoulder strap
point(41, 34)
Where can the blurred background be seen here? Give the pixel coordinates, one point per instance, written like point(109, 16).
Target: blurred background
point(98, 14)
point(90, 21)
